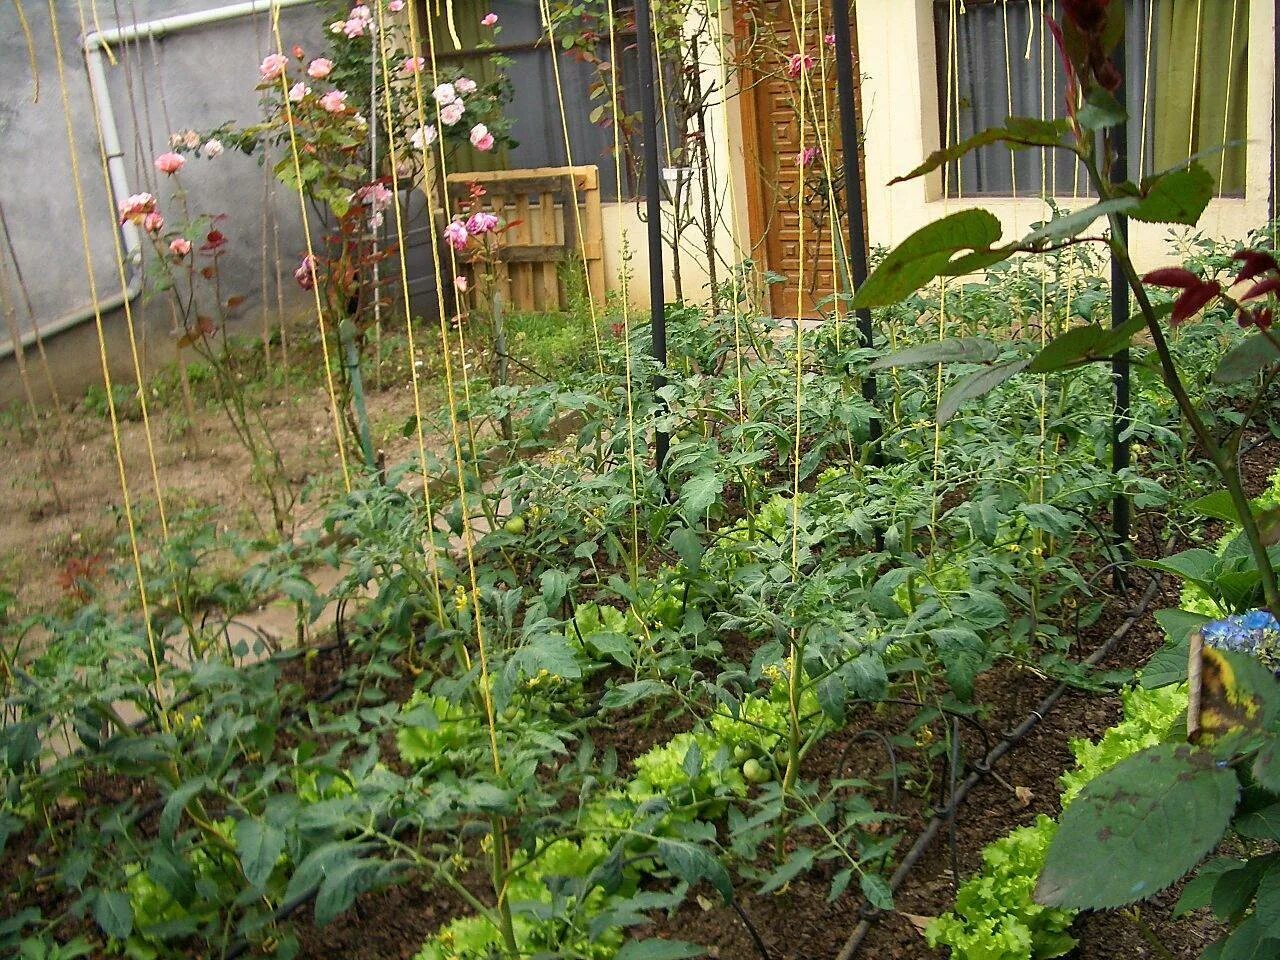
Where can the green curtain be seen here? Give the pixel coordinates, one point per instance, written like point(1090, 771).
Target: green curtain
point(1200, 85)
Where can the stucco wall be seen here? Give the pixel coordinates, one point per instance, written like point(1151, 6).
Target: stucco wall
point(899, 90)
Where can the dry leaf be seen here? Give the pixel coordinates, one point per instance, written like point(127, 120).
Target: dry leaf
point(919, 922)
point(1024, 795)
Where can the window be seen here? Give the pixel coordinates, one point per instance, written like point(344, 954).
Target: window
point(1185, 89)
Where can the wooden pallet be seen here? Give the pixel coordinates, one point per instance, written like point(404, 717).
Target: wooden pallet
point(541, 202)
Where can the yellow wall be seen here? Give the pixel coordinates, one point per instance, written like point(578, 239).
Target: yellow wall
point(899, 94)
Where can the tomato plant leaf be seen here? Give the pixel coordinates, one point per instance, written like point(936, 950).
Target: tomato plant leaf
point(976, 385)
point(259, 844)
point(952, 350)
point(113, 913)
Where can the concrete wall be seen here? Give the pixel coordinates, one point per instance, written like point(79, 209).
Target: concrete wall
point(198, 78)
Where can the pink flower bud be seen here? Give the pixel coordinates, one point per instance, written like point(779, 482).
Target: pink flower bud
point(153, 223)
point(412, 65)
point(489, 19)
point(179, 247)
point(461, 283)
point(319, 68)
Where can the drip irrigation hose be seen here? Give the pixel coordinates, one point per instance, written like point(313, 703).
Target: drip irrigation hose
point(945, 816)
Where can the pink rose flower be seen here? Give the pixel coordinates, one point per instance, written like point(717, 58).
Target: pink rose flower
point(807, 156)
point(452, 113)
point(191, 139)
point(354, 27)
point(376, 195)
point(412, 65)
point(829, 39)
point(489, 19)
point(361, 12)
point(306, 272)
point(481, 138)
point(481, 222)
point(335, 101)
point(170, 163)
point(455, 234)
point(461, 284)
point(445, 94)
point(273, 66)
point(423, 137)
point(153, 223)
point(136, 207)
point(179, 247)
point(298, 91)
point(797, 64)
point(465, 85)
point(395, 6)
point(319, 68)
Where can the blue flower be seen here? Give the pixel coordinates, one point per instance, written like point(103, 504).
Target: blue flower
point(1256, 633)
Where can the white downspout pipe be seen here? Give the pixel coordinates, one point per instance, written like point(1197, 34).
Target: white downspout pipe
point(94, 45)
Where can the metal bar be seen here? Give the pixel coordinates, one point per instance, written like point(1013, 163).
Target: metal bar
point(1120, 373)
point(653, 210)
point(854, 202)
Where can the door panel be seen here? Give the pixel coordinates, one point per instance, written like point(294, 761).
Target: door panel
point(791, 204)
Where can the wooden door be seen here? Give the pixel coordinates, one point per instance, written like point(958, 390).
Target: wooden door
point(793, 161)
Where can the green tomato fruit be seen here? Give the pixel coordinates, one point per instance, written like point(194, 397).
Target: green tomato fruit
point(514, 525)
point(755, 771)
point(742, 752)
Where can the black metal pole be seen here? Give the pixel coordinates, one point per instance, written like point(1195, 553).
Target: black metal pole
point(653, 209)
point(1120, 418)
point(1275, 113)
point(853, 200)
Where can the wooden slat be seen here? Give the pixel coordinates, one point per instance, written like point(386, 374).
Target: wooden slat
point(522, 292)
point(593, 226)
point(549, 288)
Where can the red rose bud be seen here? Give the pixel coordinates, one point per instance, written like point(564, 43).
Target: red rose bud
point(1255, 262)
point(1193, 301)
point(1178, 277)
point(1261, 289)
point(297, 52)
point(1088, 16)
point(1108, 76)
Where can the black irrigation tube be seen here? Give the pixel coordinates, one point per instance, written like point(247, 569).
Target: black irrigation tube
point(945, 816)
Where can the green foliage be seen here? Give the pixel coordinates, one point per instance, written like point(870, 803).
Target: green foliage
point(1150, 717)
point(995, 917)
